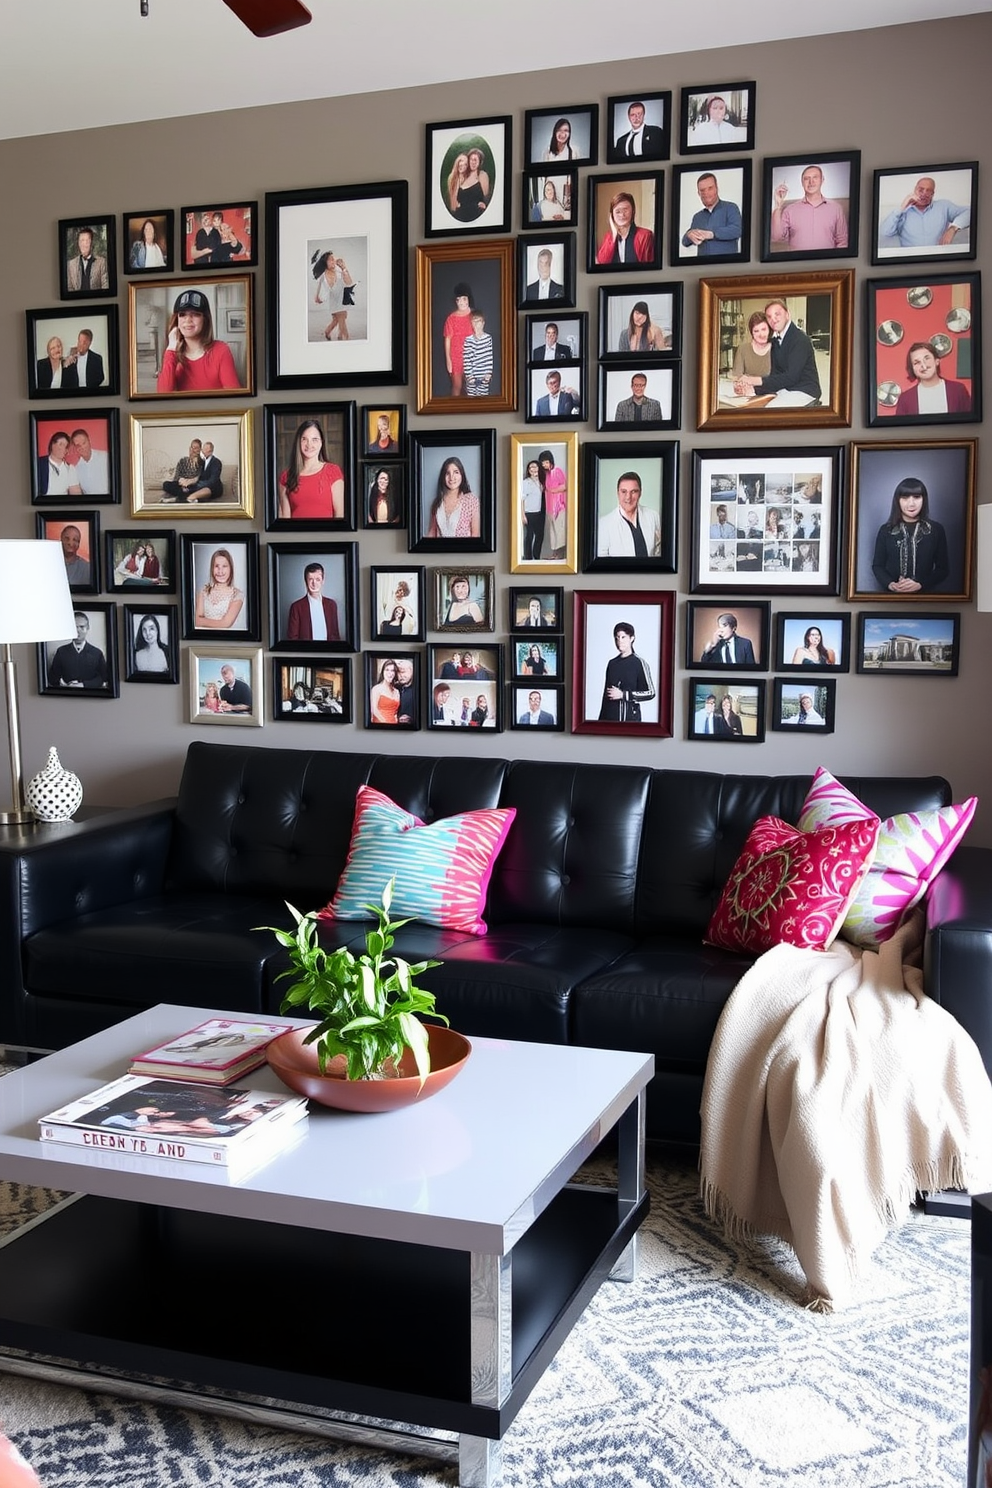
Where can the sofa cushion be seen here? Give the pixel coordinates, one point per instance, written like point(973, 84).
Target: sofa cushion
point(792, 886)
point(912, 849)
point(441, 870)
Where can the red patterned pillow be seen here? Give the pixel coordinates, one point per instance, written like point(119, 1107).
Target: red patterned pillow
point(791, 886)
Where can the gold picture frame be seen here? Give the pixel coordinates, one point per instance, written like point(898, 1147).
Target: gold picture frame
point(159, 441)
point(564, 450)
point(487, 271)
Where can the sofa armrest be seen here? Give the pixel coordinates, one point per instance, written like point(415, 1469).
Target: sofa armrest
point(957, 956)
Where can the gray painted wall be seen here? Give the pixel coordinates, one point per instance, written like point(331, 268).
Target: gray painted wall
point(904, 96)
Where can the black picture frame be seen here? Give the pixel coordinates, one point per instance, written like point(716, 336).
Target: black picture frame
point(550, 655)
point(408, 682)
point(733, 129)
point(539, 210)
point(550, 709)
point(787, 705)
point(472, 591)
point(567, 382)
point(102, 283)
point(801, 486)
point(570, 341)
point(711, 624)
point(747, 703)
point(84, 550)
point(605, 466)
point(832, 229)
point(152, 305)
point(444, 145)
point(69, 677)
point(289, 619)
point(327, 695)
point(197, 552)
point(646, 190)
point(894, 241)
point(655, 126)
point(485, 681)
point(299, 227)
point(541, 126)
point(382, 484)
point(902, 317)
point(556, 252)
point(230, 244)
point(914, 644)
point(160, 668)
point(95, 429)
point(65, 326)
point(552, 609)
point(658, 384)
point(430, 452)
point(383, 441)
point(134, 254)
point(392, 587)
point(793, 638)
point(946, 469)
point(618, 304)
point(695, 210)
point(456, 284)
point(124, 543)
point(284, 425)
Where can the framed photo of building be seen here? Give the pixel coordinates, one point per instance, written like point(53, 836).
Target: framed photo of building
point(467, 184)
point(310, 480)
point(220, 237)
point(192, 464)
point(923, 338)
point(812, 641)
point(912, 521)
point(313, 596)
point(393, 688)
point(630, 507)
point(623, 662)
point(220, 586)
point(140, 561)
point(398, 604)
point(645, 321)
point(536, 608)
point(711, 212)
point(335, 285)
point(734, 636)
point(638, 128)
point(913, 644)
point(466, 328)
point(625, 222)
point(76, 457)
point(922, 214)
point(72, 353)
point(766, 521)
point(452, 491)
point(148, 242)
point(225, 685)
point(79, 534)
point(311, 690)
point(464, 599)
point(535, 705)
point(747, 380)
point(87, 257)
point(84, 665)
point(808, 707)
point(151, 643)
point(191, 341)
point(724, 710)
point(717, 116)
point(544, 495)
point(565, 137)
point(810, 206)
point(465, 687)
point(646, 395)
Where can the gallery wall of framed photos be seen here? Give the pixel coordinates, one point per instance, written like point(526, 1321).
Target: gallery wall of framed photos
point(489, 364)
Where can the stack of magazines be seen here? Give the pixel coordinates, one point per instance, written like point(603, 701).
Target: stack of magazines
point(141, 1116)
point(212, 1053)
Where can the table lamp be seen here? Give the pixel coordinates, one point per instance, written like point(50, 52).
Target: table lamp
point(35, 605)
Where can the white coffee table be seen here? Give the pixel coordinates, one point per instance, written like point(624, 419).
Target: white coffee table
point(412, 1273)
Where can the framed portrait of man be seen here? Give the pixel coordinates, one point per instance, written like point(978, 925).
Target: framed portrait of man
point(630, 511)
point(535, 705)
point(922, 214)
point(87, 257)
point(647, 396)
point(638, 127)
point(313, 596)
point(83, 665)
point(810, 206)
point(79, 534)
point(711, 212)
point(727, 635)
point(623, 662)
point(546, 271)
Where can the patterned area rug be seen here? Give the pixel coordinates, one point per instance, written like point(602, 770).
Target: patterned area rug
point(706, 1373)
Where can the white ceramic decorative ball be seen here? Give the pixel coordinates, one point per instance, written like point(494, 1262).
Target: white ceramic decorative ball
point(55, 794)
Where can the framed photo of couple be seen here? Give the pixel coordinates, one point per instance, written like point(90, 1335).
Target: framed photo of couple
point(75, 455)
point(467, 186)
point(726, 711)
point(544, 491)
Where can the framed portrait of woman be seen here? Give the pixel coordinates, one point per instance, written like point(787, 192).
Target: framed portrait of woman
point(544, 494)
point(220, 587)
point(311, 689)
point(452, 491)
point(623, 662)
point(625, 222)
point(544, 658)
point(466, 328)
point(313, 596)
point(549, 199)
point(383, 492)
point(807, 707)
point(383, 431)
point(562, 136)
point(151, 643)
point(923, 339)
point(537, 608)
point(640, 323)
point(464, 599)
point(812, 642)
point(336, 286)
point(310, 479)
point(912, 521)
point(148, 242)
point(467, 184)
point(75, 456)
point(397, 607)
point(191, 341)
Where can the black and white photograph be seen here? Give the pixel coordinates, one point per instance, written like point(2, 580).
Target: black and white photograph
point(151, 643)
point(85, 664)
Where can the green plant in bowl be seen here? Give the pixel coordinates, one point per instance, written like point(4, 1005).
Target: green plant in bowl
point(369, 1006)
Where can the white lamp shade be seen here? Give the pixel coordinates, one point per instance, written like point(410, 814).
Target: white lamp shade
point(35, 603)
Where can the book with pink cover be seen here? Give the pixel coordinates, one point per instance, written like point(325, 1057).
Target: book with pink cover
point(212, 1053)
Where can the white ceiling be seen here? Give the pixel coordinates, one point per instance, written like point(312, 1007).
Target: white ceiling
point(66, 64)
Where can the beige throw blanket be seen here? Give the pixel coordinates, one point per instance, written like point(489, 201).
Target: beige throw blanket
point(835, 1090)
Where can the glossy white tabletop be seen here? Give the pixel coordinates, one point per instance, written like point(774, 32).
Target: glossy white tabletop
point(469, 1169)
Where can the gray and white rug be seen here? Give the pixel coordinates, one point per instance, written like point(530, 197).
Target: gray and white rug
point(706, 1373)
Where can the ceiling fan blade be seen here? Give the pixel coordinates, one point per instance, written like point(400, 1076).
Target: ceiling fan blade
point(269, 17)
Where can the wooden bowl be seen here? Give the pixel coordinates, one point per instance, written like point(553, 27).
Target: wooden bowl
point(296, 1065)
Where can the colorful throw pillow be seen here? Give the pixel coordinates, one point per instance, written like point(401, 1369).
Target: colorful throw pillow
point(442, 870)
point(912, 849)
point(792, 887)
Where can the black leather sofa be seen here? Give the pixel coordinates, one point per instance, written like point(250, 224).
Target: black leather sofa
point(596, 909)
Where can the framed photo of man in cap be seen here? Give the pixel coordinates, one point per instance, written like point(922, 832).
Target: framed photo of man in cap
point(191, 340)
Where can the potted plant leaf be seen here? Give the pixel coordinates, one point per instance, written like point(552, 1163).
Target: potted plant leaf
point(369, 1009)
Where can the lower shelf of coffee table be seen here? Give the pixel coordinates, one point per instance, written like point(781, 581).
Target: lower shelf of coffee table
point(304, 1316)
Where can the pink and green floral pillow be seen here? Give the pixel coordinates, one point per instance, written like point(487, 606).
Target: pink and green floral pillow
point(792, 886)
point(912, 849)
